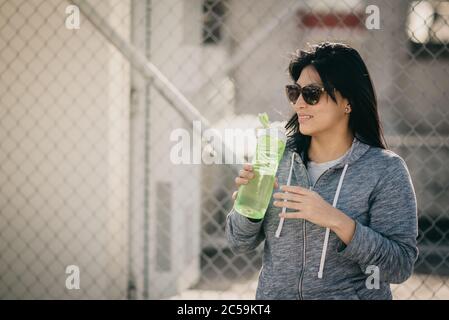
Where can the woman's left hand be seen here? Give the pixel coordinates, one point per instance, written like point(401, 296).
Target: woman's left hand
point(309, 205)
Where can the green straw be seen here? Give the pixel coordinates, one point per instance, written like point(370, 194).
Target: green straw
point(264, 120)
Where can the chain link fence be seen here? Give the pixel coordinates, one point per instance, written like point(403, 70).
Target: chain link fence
point(92, 205)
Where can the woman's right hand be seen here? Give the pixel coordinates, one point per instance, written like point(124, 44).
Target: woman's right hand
point(245, 175)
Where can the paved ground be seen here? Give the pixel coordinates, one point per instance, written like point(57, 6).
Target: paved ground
point(222, 280)
point(417, 287)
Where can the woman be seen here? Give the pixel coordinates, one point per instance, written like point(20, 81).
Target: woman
point(351, 222)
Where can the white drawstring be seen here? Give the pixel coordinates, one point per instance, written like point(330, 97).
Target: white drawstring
point(281, 222)
point(326, 237)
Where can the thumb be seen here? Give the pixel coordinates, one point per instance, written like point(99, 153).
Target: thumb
point(234, 195)
point(276, 184)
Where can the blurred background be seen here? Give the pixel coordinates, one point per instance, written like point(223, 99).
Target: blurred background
point(91, 91)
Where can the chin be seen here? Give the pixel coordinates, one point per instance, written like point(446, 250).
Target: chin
point(306, 131)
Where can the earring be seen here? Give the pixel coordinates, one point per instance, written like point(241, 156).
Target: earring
point(347, 108)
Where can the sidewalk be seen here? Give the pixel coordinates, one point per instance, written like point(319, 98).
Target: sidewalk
point(419, 286)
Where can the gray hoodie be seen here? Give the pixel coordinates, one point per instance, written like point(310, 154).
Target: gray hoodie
point(372, 186)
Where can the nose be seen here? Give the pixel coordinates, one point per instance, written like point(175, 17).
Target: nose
point(299, 104)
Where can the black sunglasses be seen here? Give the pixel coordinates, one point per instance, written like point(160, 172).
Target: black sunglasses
point(310, 93)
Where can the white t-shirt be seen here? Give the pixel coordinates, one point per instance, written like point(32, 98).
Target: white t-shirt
point(316, 169)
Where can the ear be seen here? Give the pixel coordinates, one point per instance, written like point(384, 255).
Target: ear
point(344, 103)
point(348, 108)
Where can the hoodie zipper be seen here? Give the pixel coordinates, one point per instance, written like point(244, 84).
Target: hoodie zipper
point(304, 225)
point(304, 234)
point(303, 259)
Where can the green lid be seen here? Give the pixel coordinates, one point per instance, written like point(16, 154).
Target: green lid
point(264, 120)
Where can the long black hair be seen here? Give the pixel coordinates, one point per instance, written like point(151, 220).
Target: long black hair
point(340, 68)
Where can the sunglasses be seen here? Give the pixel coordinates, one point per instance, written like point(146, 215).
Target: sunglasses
point(310, 93)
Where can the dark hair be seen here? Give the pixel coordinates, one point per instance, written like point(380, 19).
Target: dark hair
point(341, 68)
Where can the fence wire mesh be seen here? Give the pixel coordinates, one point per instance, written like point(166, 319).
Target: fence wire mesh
point(91, 92)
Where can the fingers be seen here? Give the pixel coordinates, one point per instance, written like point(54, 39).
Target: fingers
point(292, 215)
point(288, 204)
point(288, 196)
point(246, 174)
point(296, 189)
point(239, 181)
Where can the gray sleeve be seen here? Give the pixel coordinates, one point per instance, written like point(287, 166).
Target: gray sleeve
point(242, 234)
point(389, 240)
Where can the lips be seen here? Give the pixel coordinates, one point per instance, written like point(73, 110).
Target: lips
point(304, 117)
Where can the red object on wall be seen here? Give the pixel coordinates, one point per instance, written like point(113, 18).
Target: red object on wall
point(330, 20)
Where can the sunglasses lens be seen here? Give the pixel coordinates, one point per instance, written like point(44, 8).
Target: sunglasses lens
point(311, 94)
point(293, 93)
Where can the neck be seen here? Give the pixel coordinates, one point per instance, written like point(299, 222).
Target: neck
point(328, 147)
